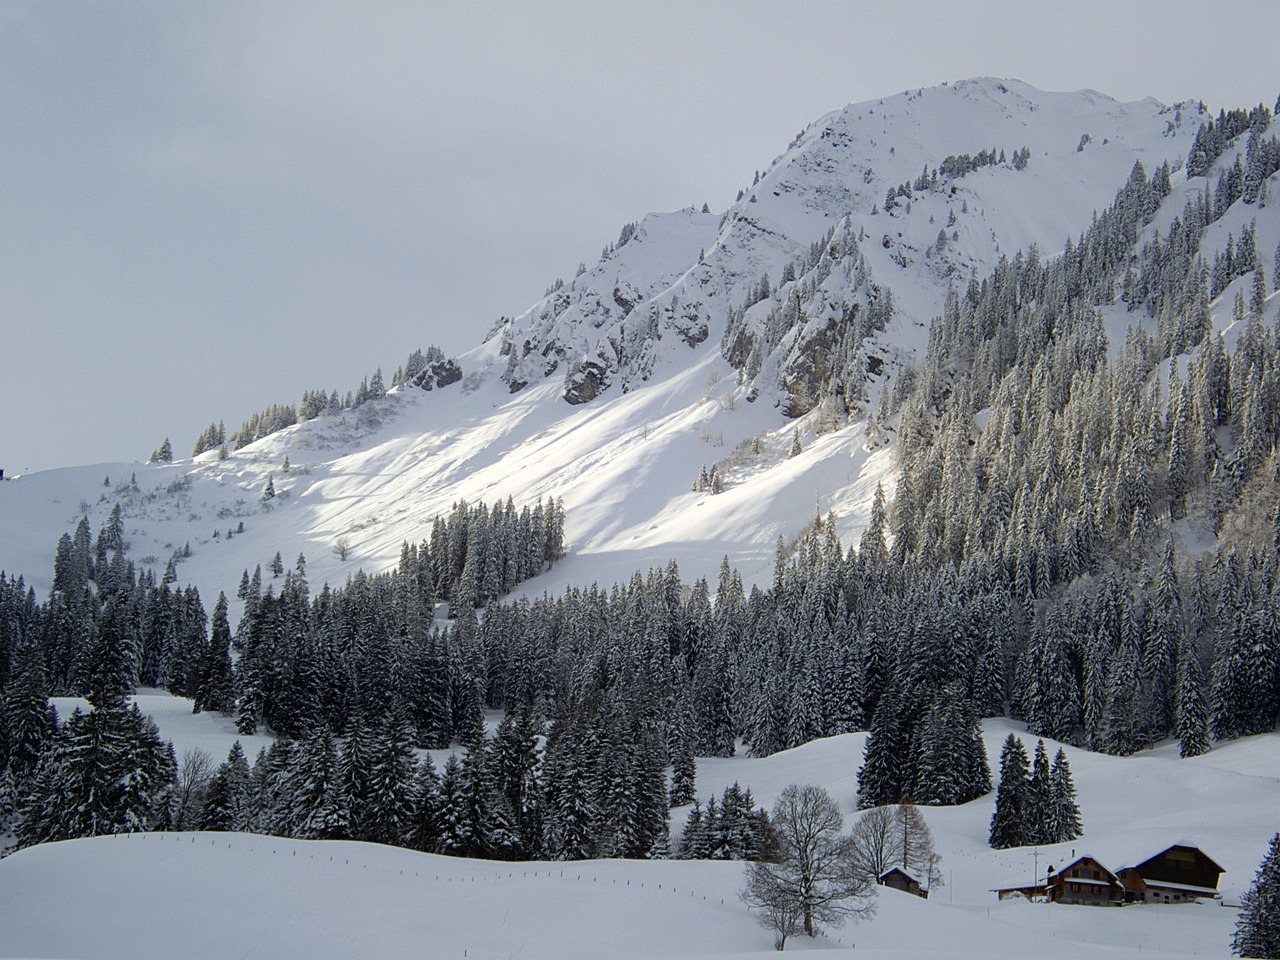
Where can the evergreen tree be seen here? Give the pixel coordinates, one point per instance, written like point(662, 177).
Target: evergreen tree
point(1039, 798)
point(316, 809)
point(1192, 730)
point(386, 808)
point(881, 779)
point(227, 805)
point(683, 774)
point(424, 834)
point(26, 718)
point(1258, 929)
point(1009, 826)
point(215, 689)
point(1063, 817)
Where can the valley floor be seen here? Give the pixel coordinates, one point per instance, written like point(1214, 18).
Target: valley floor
point(235, 895)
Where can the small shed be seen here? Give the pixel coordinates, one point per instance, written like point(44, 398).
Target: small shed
point(1030, 891)
point(1181, 873)
point(904, 880)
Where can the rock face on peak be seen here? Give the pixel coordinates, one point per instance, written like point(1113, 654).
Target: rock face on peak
point(846, 245)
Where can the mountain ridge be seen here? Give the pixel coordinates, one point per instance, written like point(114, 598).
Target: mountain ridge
point(375, 476)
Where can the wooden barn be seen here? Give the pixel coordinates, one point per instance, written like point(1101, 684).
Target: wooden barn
point(900, 879)
point(1181, 873)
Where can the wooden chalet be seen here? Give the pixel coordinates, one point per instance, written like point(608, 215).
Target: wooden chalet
point(1178, 874)
point(1181, 873)
point(900, 879)
point(1084, 880)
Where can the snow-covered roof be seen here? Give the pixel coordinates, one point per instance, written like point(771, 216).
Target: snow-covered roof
point(1135, 854)
point(1078, 859)
point(909, 874)
point(1170, 885)
point(1020, 885)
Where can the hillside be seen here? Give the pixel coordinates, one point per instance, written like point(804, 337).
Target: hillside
point(230, 894)
point(644, 332)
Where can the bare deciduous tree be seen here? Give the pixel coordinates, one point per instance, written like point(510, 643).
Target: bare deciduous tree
point(875, 843)
point(813, 880)
point(195, 772)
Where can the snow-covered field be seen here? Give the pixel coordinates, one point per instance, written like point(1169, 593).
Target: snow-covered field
point(230, 895)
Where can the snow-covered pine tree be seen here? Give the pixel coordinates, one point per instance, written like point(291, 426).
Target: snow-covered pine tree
point(1063, 816)
point(1009, 826)
point(1039, 798)
point(1192, 717)
point(317, 810)
point(1258, 928)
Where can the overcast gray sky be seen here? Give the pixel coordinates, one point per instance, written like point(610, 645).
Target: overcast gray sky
point(206, 208)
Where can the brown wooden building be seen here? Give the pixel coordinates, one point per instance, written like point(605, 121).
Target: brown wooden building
point(900, 879)
point(1177, 874)
point(1084, 880)
point(1181, 873)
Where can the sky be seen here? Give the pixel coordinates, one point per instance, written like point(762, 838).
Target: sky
point(209, 208)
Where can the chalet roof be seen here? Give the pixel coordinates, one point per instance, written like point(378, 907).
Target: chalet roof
point(1136, 857)
point(1044, 881)
point(1080, 858)
point(905, 872)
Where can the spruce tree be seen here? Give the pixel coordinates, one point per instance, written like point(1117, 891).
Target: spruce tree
point(1258, 929)
point(424, 834)
point(683, 773)
point(1039, 798)
point(1063, 819)
point(1192, 719)
point(387, 807)
point(882, 778)
point(316, 809)
point(25, 714)
point(1009, 827)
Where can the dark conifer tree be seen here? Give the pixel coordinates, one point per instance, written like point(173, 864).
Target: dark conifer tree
point(882, 777)
point(1063, 818)
point(316, 808)
point(1039, 798)
point(683, 773)
point(1258, 929)
point(387, 805)
point(215, 682)
point(26, 717)
point(1009, 827)
point(1192, 720)
point(227, 805)
point(424, 833)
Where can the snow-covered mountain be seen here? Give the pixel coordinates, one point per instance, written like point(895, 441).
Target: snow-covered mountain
point(697, 340)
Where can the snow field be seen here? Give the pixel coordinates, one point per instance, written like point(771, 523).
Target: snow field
point(242, 895)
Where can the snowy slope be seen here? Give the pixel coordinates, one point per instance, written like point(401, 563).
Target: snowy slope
point(221, 895)
point(642, 329)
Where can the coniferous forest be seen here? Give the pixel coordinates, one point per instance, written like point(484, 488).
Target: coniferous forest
point(1031, 564)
